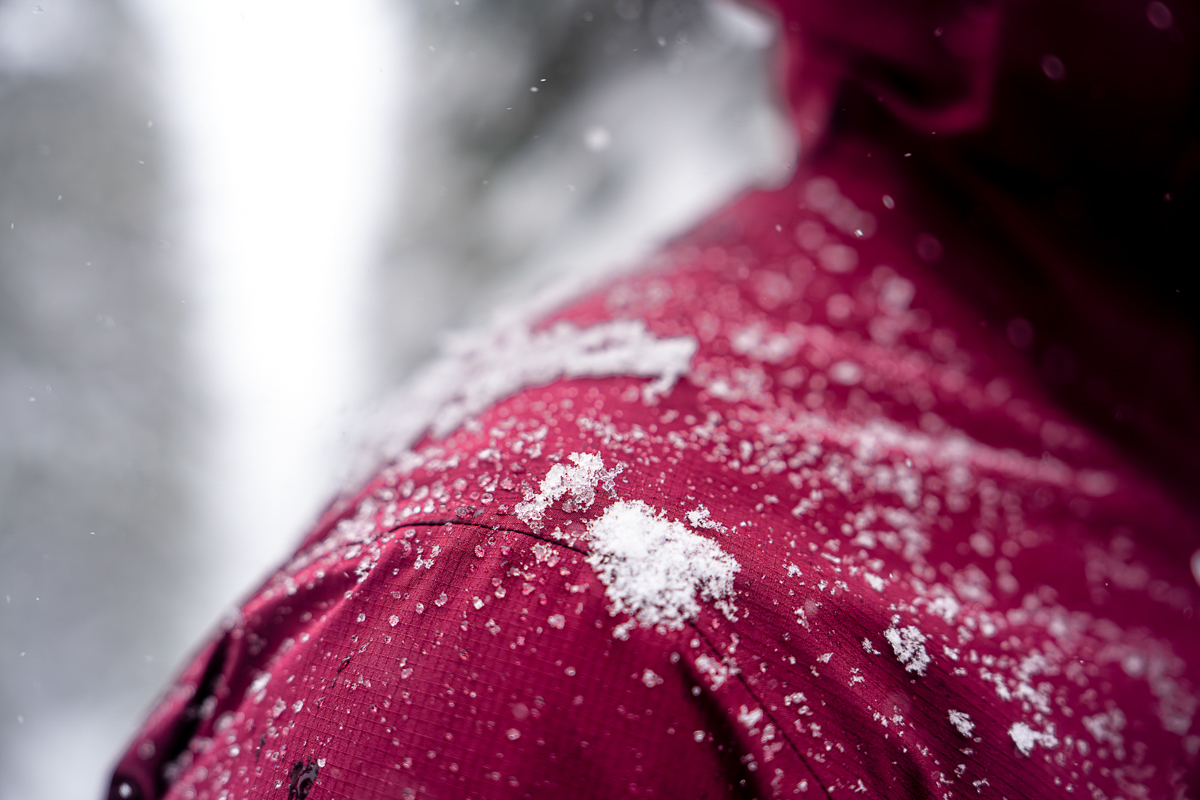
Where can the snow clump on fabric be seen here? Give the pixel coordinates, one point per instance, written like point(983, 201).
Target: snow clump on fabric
point(654, 569)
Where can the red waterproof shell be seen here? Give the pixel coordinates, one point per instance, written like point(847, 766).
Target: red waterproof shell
point(776, 516)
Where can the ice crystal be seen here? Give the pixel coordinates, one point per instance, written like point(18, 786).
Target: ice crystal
point(578, 481)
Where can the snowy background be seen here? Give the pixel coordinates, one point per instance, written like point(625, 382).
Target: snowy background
point(227, 228)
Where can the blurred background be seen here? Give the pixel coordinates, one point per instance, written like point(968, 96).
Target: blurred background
point(228, 228)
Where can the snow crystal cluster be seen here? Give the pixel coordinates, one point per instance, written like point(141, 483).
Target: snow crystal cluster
point(578, 481)
point(909, 646)
point(700, 517)
point(962, 722)
point(1025, 737)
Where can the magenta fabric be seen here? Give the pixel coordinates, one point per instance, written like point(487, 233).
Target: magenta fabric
point(947, 587)
point(887, 561)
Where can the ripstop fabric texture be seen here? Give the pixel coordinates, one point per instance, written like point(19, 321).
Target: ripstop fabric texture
point(803, 525)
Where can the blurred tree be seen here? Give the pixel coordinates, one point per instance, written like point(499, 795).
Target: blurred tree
point(96, 411)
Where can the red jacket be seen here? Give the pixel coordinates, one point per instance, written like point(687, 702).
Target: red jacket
point(782, 515)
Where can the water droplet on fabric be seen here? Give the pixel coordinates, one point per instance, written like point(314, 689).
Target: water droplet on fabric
point(846, 373)
point(838, 258)
point(1052, 67)
point(821, 194)
point(866, 227)
point(1159, 15)
point(810, 234)
point(1020, 333)
point(929, 248)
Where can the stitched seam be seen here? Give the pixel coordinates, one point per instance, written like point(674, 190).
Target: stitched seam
point(495, 528)
point(784, 732)
point(693, 624)
point(782, 729)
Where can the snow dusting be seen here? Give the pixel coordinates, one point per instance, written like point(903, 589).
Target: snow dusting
point(749, 717)
point(479, 368)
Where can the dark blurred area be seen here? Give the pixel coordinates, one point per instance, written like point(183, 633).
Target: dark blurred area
point(1092, 157)
point(1065, 135)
